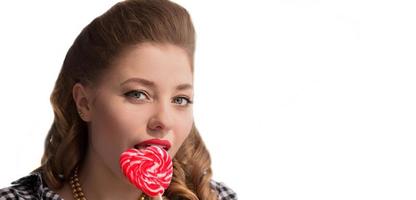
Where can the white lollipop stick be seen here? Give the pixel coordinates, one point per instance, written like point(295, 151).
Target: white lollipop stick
point(157, 197)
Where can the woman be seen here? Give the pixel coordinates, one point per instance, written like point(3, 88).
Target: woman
point(126, 81)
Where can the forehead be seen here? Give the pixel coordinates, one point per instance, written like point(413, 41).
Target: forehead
point(164, 64)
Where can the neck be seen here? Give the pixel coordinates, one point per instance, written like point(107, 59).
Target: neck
point(100, 182)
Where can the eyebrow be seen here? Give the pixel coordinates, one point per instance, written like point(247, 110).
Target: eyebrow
point(152, 84)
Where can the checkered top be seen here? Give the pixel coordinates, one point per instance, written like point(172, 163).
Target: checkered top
point(32, 187)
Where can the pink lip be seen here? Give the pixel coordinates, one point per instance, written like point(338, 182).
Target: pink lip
point(164, 143)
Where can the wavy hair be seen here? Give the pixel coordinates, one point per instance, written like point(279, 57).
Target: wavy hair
point(124, 25)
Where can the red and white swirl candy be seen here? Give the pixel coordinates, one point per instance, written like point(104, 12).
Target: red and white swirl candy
point(149, 169)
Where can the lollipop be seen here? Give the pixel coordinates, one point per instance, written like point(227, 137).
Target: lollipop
point(149, 169)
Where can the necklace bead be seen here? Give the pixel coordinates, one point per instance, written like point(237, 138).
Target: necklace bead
point(77, 192)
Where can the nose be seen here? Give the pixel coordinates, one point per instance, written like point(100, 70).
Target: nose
point(161, 120)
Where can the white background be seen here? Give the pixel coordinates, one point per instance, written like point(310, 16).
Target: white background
point(295, 99)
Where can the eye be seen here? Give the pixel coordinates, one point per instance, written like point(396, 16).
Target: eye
point(137, 94)
point(182, 101)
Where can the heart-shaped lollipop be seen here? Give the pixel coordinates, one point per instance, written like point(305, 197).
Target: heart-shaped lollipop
point(149, 169)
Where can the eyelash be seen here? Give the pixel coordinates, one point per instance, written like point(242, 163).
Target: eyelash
point(128, 94)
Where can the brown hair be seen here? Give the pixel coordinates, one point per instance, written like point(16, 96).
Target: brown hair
point(126, 24)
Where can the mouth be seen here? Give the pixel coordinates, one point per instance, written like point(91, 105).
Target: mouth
point(164, 144)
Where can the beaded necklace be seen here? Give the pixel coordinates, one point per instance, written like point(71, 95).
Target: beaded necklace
point(77, 190)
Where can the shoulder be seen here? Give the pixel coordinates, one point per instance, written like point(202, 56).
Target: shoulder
point(22, 188)
point(224, 192)
point(28, 187)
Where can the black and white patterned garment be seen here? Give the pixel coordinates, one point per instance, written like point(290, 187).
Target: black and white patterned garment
point(32, 187)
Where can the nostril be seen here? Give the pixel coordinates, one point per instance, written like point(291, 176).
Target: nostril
point(156, 125)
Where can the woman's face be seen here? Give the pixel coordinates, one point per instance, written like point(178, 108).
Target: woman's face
point(145, 95)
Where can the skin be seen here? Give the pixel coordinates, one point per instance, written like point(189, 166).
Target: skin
point(122, 114)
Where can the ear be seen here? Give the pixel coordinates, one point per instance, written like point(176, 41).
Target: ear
point(83, 101)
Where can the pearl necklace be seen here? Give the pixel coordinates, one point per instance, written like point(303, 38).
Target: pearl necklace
point(77, 190)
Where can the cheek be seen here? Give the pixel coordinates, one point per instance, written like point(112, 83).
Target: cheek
point(115, 126)
point(184, 128)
